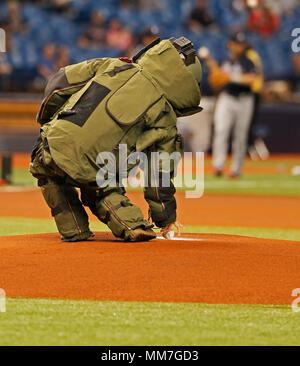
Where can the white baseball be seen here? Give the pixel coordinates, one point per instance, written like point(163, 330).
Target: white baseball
point(203, 52)
point(170, 235)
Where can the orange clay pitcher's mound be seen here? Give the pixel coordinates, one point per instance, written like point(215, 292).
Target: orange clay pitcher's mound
point(208, 269)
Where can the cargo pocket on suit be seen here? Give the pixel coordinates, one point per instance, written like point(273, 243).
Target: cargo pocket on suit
point(131, 101)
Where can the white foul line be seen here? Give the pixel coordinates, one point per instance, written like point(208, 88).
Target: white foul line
point(179, 238)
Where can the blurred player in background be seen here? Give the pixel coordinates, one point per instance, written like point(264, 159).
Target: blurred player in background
point(235, 105)
point(256, 146)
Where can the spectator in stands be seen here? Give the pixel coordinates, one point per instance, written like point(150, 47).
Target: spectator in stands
point(5, 72)
point(152, 5)
point(200, 17)
point(51, 60)
point(128, 4)
point(47, 63)
point(95, 35)
point(263, 21)
point(238, 6)
point(119, 37)
point(147, 36)
point(238, 16)
point(63, 57)
point(283, 7)
point(60, 6)
point(13, 20)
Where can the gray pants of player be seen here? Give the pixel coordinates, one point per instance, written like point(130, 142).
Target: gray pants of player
point(232, 113)
point(198, 126)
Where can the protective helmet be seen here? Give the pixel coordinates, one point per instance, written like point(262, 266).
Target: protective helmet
point(187, 52)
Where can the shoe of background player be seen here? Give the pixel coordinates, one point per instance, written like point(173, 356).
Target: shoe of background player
point(218, 172)
point(261, 148)
point(233, 175)
point(253, 153)
point(141, 234)
point(258, 150)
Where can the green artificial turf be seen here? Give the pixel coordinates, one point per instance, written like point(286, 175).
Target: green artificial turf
point(249, 184)
point(21, 176)
point(262, 184)
point(24, 226)
point(284, 184)
point(41, 322)
point(266, 233)
point(256, 184)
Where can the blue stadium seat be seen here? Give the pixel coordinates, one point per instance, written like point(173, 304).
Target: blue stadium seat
point(78, 54)
point(23, 53)
point(64, 30)
point(131, 19)
point(46, 26)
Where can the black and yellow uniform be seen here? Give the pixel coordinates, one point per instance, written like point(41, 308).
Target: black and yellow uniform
point(256, 88)
point(234, 110)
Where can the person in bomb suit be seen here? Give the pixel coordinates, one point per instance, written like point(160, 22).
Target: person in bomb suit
point(94, 107)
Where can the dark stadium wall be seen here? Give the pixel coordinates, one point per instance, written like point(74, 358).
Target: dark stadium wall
point(279, 126)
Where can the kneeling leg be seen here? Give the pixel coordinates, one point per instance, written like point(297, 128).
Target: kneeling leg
point(67, 210)
point(124, 219)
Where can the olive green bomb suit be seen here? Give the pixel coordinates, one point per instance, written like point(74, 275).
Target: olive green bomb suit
point(95, 106)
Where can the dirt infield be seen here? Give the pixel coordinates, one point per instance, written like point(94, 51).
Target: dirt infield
point(213, 210)
point(210, 269)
